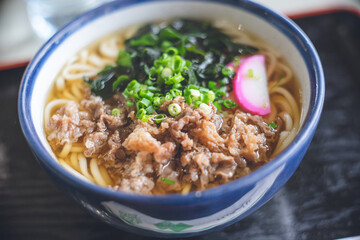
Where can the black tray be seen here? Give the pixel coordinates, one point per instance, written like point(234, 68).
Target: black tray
point(321, 200)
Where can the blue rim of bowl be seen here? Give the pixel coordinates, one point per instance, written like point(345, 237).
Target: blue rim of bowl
point(279, 21)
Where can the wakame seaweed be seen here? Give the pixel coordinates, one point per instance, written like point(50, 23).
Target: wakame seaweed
point(205, 48)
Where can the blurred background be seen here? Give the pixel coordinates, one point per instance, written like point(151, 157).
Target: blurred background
point(321, 201)
point(26, 24)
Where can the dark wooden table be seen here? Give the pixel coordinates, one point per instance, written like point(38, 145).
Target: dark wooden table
point(321, 200)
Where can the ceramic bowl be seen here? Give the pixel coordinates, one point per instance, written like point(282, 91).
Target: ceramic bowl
point(173, 215)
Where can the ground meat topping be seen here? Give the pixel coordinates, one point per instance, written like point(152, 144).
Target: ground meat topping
point(192, 148)
point(94, 142)
point(141, 140)
point(69, 124)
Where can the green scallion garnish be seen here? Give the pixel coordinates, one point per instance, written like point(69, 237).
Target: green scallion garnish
point(161, 63)
point(168, 181)
point(145, 102)
point(159, 118)
point(195, 94)
point(174, 109)
point(157, 101)
point(225, 81)
point(150, 109)
point(166, 72)
point(115, 112)
point(145, 118)
point(273, 125)
point(227, 71)
point(168, 96)
point(141, 112)
point(229, 104)
point(129, 103)
point(205, 108)
point(218, 106)
point(211, 84)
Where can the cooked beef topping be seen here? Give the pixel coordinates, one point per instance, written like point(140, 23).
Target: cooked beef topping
point(191, 148)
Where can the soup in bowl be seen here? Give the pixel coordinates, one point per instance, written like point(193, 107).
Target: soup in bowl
point(174, 123)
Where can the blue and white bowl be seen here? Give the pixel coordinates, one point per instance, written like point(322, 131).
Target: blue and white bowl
point(174, 215)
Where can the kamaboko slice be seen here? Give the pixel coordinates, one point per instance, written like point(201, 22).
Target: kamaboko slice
point(250, 86)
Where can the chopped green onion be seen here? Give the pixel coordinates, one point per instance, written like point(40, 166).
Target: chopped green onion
point(178, 64)
point(212, 84)
point(209, 97)
point(157, 101)
point(115, 112)
point(162, 99)
point(227, 71)
point(146, 94)
point(224, 81)
point(175, 93)
point(141, 112)
point(143, 87)
point(203, 90)
point(205, 108)
point(150, 109)
point(229, 104)
point(222, 89)
point(145, 102)
point(221, 92)
point(197, 104)
point(174, 109)
point(172, 51)
point(176, 86)
point(168, 96)
point(188, 99)
point(135, 94)
point(187, 91)
point(218, 106)
point(145, 118)
point(174, 79)
point(148, 82)
point(126, 93)
point(195, 94)
point(273, 125)
point(206, 98)
point(166, 72)
point(168, 181)
point(129, 103)
point(154, 89)
point(159, 118)
point(133, 85)
point(142, 93)
point(166, 44)
point(149, 95)
point(193, 87)
point(169, 75)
